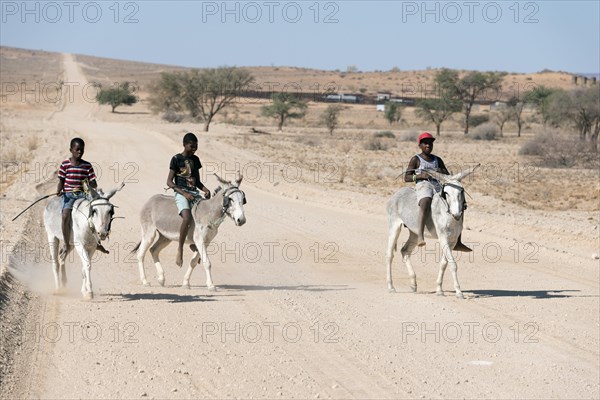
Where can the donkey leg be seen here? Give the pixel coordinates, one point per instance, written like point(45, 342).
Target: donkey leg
point(454, 270)
point(440, 279)
point(147, 239)
point(86, 271)
point(206, 264)
point(53, 244)
point(193, 262)
point(394, 232)
point(155, 250)
point(406, 252)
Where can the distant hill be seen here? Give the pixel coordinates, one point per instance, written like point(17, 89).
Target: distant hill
point(397, 82)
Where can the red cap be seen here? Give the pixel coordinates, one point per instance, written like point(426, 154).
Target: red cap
point(425, 135)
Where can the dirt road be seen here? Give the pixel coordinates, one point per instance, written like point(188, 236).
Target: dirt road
point(302, 309)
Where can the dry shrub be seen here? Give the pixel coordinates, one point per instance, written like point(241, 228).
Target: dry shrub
point(554, 150)
point(345, 147)
point(409, 136)
point(487, 131)
point(376, 144)
point(385, 134)
point(172, 116)
point(386, 172)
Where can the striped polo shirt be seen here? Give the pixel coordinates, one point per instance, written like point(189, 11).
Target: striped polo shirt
point(74, 175)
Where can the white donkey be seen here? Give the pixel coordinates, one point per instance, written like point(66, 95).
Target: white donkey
point(92, 219)
point(445, 222)
point(159, 218)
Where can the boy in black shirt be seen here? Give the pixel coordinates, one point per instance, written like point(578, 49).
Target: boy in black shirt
point(184, 179)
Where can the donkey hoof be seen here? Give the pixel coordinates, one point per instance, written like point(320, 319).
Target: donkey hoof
point(186, 286)
point(60, 291)
point(87, 296)
point(391, 290)
point(161, 282)
point(459, 295)
point(212, 288)
point(440, 293)
point(145, 283)
point(414, 289)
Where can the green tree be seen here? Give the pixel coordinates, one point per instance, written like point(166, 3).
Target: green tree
point(117, 96)
point(393, 112)
point(540, 98)
point(285, 106)
point(468, 88)
point(329, 118)
point(202, 93)
point(437, 110)
point(578, 107)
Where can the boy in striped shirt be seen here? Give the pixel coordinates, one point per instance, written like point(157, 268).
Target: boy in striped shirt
point(71, 174)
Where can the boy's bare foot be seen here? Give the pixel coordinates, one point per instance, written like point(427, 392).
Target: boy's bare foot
point(179, 258)
point(461, 247)
point(193, 248)
point(420, 242)
point(101, 249)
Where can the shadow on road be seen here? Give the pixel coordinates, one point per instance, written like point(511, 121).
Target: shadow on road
point(170, 298)
point(308, 288)
point(536, 294)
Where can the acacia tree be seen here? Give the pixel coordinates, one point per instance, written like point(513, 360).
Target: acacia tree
point(202, 93)
point(437, 110)
point(501, 117)
point(468, 89)
point(116, 96)
point(540, 98)
point(284, 107)
point(579, 107)
point(516, 106)
point(329, 118)
point(393, 112)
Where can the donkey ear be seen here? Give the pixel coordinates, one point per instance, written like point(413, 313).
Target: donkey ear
point(436, 175)
point(112, 192)
point(239, 179)
point(89, 189)
point(462, 175)
point(221, 180)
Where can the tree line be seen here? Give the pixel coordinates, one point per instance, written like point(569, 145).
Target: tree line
point(202, 94)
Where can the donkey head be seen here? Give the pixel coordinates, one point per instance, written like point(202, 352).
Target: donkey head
point(233, 199)
point(452, 191)
point(101, 211)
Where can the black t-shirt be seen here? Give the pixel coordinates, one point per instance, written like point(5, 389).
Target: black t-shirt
point(187, 171)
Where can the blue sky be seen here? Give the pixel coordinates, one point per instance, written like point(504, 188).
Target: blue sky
point(514, 36)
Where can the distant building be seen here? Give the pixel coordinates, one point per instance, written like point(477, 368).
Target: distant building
point(343, 98)
point(408, 102)
point(383, 96)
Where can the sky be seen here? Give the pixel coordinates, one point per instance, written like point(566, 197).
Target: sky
point(512, 36)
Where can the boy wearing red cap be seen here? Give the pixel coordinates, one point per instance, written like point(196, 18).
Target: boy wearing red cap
point(427, 186)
